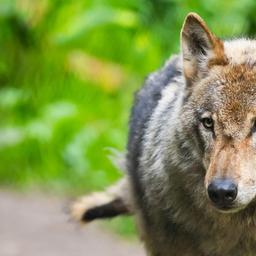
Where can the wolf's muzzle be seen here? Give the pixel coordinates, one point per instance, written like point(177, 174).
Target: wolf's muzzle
point(222, 192)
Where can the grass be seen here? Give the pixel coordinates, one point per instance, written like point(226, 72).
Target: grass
point(56, 134)
point(59, 133)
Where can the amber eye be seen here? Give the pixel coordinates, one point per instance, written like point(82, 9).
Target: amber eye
point(207, 123)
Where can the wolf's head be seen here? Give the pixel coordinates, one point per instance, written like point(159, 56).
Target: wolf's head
point(221, 110)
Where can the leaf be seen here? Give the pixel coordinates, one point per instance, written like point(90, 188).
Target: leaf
point(93, 18)
point(7, 8)
point(109, 76)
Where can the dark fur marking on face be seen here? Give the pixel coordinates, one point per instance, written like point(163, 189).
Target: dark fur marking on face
point(183, 152)
point(199, 139)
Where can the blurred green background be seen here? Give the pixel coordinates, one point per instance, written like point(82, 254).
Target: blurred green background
point(68, 70)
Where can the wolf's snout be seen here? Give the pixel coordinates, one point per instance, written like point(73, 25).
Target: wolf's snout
point(222, 192)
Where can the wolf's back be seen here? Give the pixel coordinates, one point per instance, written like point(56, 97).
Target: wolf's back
point(127, 194)
point(146, 100)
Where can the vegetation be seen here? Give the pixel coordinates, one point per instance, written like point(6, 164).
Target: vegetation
point(68, 70)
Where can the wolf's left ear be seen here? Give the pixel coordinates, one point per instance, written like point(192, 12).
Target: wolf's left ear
point(201, 49)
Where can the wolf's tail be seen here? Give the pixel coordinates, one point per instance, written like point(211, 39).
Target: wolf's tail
point(112, 202)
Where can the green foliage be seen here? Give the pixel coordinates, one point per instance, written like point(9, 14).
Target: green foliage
point(68, 70)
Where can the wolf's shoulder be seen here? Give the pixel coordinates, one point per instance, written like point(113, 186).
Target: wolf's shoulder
point(146, 100)
point(148, 96)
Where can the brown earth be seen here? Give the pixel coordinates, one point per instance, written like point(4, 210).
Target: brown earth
point(33, 225)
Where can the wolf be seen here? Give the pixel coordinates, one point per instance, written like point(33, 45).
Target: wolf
point(191, 153)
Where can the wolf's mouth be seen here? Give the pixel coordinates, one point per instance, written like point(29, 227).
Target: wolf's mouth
point(224, 208)
point(232, 208)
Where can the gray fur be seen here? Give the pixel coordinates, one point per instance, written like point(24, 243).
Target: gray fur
point(162, 154)
point(146, 101)
point(167, 175)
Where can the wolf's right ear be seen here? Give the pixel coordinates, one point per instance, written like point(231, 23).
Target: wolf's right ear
point(201, 49)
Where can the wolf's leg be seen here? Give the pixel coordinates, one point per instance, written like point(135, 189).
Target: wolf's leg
point(110, 203)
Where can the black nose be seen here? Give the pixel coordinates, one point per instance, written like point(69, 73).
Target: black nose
point(222, 192)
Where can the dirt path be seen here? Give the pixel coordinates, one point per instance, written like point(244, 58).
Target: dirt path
point(36, 226)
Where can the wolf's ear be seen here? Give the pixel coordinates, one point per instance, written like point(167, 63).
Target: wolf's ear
point(201, 49)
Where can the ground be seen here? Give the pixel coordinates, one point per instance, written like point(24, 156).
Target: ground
point(33, 225)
